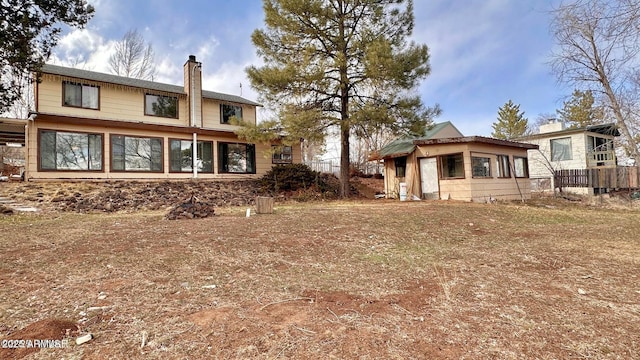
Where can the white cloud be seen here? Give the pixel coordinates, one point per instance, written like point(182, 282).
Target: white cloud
point(83, 48)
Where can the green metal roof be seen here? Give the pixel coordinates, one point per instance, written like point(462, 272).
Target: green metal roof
point(404, 146)
point(143, 84)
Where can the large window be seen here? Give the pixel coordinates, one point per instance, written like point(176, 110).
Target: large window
point(130, 153)
point(481, 166)
point(561, 149)
point(229, 111)
point(281, 154)
point(159, 105)
point(182, 151)
point(520, 167)
point(237, 158)
point(401, 166)
point(452, 166)
point(80, 95)
point(61, 150)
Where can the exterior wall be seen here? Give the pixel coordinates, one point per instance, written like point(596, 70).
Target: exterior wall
point(540, 160)
point(263, 154)
point(467, 188)
point(116, 103)
point(212, 120)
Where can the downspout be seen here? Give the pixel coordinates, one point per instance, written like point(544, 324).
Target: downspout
point(194, 145)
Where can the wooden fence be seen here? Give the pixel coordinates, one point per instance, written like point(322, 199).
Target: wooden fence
point(621, 177)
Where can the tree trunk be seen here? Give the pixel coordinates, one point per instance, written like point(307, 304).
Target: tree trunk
point(345, 187)
point(345, 128)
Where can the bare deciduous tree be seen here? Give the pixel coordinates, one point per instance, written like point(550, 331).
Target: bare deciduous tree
point(133, 57)
point(598, 47)
point(22, 105)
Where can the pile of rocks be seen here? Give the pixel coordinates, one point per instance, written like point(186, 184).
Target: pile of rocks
point(192, 209)
point(135, 195)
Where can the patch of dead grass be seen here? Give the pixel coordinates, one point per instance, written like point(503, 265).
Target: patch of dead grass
point(373, 279)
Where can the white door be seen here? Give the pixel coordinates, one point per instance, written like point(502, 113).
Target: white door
point(429, 178)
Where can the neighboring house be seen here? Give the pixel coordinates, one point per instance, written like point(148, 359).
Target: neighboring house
point(90, 125)
point(473, 168)
point(590, 147)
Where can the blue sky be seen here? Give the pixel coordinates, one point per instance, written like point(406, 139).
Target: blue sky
point(483, 52)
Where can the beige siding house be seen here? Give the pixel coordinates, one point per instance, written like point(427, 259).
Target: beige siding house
point(591, 147)
point(473, 168)
point(90, 125)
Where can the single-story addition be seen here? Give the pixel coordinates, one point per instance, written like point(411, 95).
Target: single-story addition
point(469, 168)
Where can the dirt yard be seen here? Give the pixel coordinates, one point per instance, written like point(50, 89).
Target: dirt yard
point(551, 279)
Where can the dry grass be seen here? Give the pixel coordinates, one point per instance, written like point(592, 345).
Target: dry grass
point(332, 280)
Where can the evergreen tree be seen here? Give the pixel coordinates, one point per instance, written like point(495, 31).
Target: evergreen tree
point(30, 30)
point(579, 111)
point(511, 122)
point(342, 64)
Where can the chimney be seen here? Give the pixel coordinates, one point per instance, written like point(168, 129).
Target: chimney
point(552, 126)
point(193, 88)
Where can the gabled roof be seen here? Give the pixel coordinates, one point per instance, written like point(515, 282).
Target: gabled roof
point(604, 129)
point(137, 83)
point(404, 146)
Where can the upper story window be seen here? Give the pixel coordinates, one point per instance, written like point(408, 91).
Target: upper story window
point(281, 154)
point(561, 149)
point(160, 105)
point(229, 111)
point(452, 166)
point(80, 95)
point(595, 143)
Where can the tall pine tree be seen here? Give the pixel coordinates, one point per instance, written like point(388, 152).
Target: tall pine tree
point(340, 64)
point(511, 122)
point(579, 111)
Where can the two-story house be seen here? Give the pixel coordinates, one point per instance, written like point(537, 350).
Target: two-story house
point(559, 148)
point(91, 125)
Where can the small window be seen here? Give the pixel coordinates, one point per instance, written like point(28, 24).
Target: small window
point(237, 158)
point(452, 166)
point(281, 154)
point(159, 105)
point(481, 166)
point(81, 95)
point(182, 151)
point(230, 111)
point(561, 149)
point(61, 150)
point(131, 153)
point(520, 167)
point(502, 165)
point(401, 166)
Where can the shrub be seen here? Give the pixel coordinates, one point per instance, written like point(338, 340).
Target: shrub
point(300, 178)
point(289, 177)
